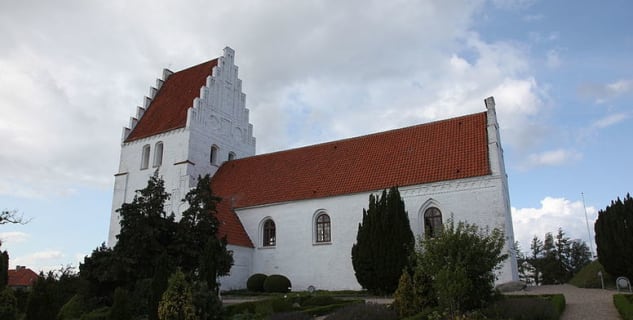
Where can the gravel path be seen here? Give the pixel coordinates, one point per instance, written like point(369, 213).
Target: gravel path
point(582, 304)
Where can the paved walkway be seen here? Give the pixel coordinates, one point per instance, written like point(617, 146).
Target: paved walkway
point(582, 304)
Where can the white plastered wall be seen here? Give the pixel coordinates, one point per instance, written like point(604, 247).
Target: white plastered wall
point(329, 266)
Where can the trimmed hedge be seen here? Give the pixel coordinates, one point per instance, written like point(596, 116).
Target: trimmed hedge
point(255, 282)
point(277, 283)
point(528, 307)
point(624, 304)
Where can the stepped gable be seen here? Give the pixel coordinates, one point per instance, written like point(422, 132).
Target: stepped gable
point(168, 109)
point(450, 149)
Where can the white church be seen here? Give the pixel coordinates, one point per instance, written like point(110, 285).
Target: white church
point(296, 212)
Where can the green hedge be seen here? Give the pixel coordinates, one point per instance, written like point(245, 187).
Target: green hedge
point(624, 304)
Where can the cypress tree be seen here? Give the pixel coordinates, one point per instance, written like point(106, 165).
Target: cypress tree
point(614, 236)
point(4, 269)
point(384, 243)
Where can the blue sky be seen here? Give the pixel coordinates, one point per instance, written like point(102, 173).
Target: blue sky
point(74, 71)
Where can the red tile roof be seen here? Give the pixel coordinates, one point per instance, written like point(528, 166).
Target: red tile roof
point(168, 110)
point(444, 150)
point(22, 277)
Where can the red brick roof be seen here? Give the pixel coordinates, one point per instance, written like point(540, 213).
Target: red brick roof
point(22, 277)
point(451, 149)
point(168, 110)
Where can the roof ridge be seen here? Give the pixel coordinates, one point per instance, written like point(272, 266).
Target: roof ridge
point(368, 135)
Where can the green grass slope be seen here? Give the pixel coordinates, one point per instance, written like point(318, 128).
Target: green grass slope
point(588, 277)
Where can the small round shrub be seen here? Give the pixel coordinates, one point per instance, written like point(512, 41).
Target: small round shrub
point(277, 283)
point(255, 282)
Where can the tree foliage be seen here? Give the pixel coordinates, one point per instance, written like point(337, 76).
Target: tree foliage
point(152, 245)
point(384, 243)
point(554, 260)
point(4, 269)
point(8, 304)
point(12, 216)
point(50, 292)
point(177, 301)
point(614, 237)
point(462, 262)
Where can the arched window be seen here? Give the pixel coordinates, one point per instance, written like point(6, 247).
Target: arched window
point(213, 155)
point(323, 230)
point(231, 156)
point(145, 157)
point(158, 154)
point(269, 233)
point(432, 222)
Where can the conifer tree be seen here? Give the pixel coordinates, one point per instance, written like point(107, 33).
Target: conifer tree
point(384, 243)
point(4, 269)
point(614, 237)
point(177, 301)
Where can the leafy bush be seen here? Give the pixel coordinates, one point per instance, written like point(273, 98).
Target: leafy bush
point(8, 304)
point(624, 304)
point(97, 314)
point(255, 282)
point(364, 312)
point(121, 308)
point(73, 309)
point(277, 283)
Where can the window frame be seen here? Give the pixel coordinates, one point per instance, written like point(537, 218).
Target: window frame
point(433, 223)
point(145, 152)
point(269, 233)
point(158, 154)
point(231, 156)
point(322, 228)
point(213, 154)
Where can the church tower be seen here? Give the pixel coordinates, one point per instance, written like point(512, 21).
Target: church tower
point(192, 121)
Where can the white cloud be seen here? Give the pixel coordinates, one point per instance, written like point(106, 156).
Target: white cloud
point(605, 92)
point(42, 260)
point(13, 237)
point(310, 74)
point(554, 213)
point(610, 120)
point(551, 158)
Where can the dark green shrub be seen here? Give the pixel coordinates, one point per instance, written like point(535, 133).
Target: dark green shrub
point(526, 308)
point(255, 282)
point(121, 308)
point(558, 300)
point(624, 304)
point(8, 304)
point(294, 315)
point(73, 309)
point(97, 314)
point(241, 308)
point(320, 301)
point(364, 312)
point(281, 305)
point(277, 283)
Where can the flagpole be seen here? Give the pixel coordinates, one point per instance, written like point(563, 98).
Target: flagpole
point(587, 221)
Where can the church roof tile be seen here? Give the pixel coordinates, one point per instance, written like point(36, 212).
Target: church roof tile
point(450, 149)
point(168, 109)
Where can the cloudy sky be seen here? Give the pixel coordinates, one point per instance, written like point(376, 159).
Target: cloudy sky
point(72, 73)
